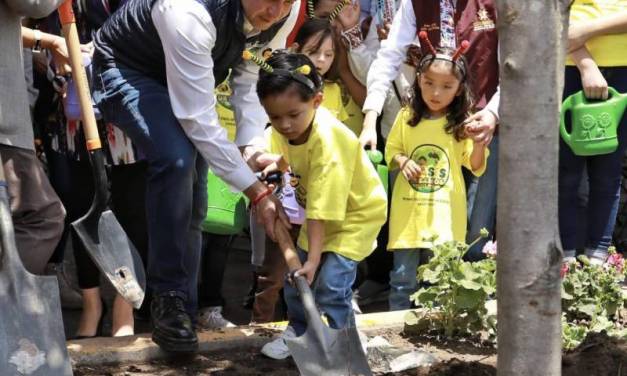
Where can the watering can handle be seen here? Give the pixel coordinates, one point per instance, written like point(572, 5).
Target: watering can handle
point(565, 107)
point(287, 246)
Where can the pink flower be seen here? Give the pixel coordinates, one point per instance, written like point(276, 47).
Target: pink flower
point(489, 249)
point(564, 270)
point(616, 260)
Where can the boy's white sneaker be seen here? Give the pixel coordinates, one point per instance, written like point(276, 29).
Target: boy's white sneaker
point(278, 349)
point(211, 318)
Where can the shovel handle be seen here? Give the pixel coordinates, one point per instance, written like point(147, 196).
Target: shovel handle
point(287, 246)
point(70, 33)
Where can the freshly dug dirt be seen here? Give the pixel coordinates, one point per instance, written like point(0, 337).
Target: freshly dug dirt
point(598, 355)
point(242, 362)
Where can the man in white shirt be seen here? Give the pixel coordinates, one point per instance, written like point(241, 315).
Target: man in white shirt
point(157, 63)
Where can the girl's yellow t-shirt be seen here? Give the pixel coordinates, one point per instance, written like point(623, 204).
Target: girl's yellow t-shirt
point(332, 100)
point(355, 120)
point(335, 182)
point(607, 50)
point(432, 211)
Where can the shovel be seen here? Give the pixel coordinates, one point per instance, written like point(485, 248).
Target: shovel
point(321, 350)
point(32, 339)
point(104, 239)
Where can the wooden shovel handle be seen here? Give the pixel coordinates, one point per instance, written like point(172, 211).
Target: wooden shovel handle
point(287, 246)
point(66, 15)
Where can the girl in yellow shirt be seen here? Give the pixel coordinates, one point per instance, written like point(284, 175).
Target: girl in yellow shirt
point(428, 143)
point(315, 40)
point(345, 203)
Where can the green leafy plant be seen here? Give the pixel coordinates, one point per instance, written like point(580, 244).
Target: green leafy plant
point(456, 291)
point(592, 298)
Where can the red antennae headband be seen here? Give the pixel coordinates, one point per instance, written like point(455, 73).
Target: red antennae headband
point(433, 55)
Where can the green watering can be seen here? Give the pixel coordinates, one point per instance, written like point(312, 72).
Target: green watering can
point(226, 210)
point(594, 123)
point(376, 157)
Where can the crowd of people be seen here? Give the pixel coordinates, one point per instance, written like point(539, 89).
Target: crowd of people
point(183, 88)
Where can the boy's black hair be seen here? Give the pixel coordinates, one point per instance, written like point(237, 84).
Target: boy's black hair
point(462, 104)
point(274, 84)
point(322, 28)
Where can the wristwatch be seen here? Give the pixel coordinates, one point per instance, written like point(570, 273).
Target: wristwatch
point(37, 46)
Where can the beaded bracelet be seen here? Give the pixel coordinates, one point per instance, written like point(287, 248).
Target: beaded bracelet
point(261, 196)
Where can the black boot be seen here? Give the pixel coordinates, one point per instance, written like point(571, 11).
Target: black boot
point(172, 329)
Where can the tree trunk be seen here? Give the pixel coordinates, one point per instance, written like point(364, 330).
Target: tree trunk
point(532, 42)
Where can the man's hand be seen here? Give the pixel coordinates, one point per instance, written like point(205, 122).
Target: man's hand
point(60, 56)
point(383, 31)
point(368, 134)
point(267, 211)
point(480, 126)
point(349, 16)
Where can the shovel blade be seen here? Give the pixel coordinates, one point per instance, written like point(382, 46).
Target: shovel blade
point(115, 255)
point(32, 339)
point(336, 353)
point(323, 350)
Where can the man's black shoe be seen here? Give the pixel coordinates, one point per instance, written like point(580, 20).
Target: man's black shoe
point(172, 329)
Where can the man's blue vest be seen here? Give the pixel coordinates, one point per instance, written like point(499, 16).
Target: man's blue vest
point(129, 39)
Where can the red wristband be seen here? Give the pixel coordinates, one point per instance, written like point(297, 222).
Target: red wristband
point(261, 196)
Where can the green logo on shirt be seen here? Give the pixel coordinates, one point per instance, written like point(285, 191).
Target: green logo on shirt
point(435, 166)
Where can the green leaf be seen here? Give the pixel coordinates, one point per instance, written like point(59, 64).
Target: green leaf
point(470, 285)
point(469, 299)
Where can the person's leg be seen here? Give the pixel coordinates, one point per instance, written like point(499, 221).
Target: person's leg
point(403, 280)
point(571, 169)
point(270, 277)
point(128, 203)
point(332, 289)
point(194, 237)
point(482, 203)
point(214, 258)
point(604, 173)
point(38, 215)
point(215, 252)
point(141, 107)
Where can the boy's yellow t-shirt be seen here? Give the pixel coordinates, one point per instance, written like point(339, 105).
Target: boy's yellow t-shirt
point(436, 205)
point(335, 182)
point(607, 50)
point(332, 100)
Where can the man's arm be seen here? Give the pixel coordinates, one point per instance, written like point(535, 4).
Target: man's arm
point(386, 66)
point(188, 35)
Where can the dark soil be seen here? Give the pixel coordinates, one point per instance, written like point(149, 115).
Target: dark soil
point(598, 355)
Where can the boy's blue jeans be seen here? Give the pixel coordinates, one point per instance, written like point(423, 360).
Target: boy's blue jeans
point(332, 293)
point(604, 176)
point(176, 191)
point(403, 277)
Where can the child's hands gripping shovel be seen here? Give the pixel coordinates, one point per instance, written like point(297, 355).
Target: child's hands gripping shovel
point(99, 230)
point(321, 350)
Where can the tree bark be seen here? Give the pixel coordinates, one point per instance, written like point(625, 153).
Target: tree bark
point(532, 48)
